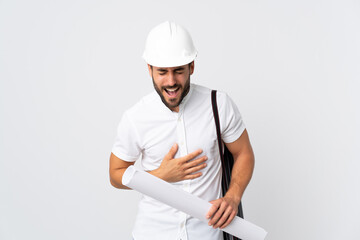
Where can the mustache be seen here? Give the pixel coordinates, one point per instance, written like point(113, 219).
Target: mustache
point(170, 86)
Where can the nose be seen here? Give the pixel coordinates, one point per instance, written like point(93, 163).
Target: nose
point(171, 80)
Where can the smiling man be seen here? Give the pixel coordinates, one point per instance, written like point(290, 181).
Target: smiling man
point(172, 130)
point(172, 84)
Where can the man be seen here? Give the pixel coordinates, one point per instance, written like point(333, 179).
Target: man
point(173, 131)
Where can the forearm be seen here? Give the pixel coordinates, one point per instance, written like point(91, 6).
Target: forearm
point(241, 175)
point(224, 209)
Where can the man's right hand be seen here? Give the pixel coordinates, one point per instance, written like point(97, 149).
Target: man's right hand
point(178, 169)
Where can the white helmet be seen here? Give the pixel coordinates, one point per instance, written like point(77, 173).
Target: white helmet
point(169, 45)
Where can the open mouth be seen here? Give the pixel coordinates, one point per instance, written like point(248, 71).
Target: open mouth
point(172, 92)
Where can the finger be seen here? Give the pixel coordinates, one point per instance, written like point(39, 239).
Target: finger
point(218, 214)
point(228, 221)
point(196, 162)
point(214, 207)
point(191, 155)
point(172, 152)
point(195, 169)
point(192, 176)
point(224, 217)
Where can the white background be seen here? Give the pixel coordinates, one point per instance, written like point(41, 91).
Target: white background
point(69, 69)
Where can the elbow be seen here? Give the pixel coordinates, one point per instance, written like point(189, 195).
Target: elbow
point(116, 183)
point(113, 183)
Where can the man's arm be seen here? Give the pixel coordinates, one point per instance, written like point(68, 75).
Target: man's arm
point(171, 169)
point(225, 209)
point(117, 168)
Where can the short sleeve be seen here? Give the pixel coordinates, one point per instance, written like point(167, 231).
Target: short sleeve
point(231, 122)
point(127, 145)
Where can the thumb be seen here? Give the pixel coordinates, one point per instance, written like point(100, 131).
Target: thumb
point(214, 207)
point(212, 201)
point(172, 152)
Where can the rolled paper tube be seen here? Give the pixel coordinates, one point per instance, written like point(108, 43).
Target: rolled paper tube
point(175, 197)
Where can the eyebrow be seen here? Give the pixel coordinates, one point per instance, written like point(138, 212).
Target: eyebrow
point(179, 69)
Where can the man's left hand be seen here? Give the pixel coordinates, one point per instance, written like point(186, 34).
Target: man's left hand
point(222, 212)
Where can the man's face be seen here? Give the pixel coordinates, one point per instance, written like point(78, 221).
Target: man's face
point(172, 83)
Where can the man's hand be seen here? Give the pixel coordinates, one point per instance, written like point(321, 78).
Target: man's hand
point(183, 168)
point(222, 212)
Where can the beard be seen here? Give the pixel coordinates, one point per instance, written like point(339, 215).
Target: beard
point(172, 103)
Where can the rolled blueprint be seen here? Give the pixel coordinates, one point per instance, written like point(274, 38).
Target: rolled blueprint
point(190, 204)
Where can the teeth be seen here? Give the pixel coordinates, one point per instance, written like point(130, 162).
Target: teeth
point(171, 90)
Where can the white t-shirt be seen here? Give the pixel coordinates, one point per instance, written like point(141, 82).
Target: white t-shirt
point(149, 129)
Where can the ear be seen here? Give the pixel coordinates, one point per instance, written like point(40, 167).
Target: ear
point(192, 67)
point(150, 69)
